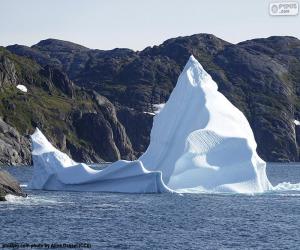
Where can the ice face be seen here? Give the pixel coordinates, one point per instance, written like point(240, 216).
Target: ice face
point(182, 114)
point(199, 142)
point(54, 170)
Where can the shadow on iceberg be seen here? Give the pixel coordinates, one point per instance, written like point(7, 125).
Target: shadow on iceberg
point(199, 142)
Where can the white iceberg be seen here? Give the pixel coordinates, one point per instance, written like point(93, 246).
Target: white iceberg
point(54, 170)
point(199, 142)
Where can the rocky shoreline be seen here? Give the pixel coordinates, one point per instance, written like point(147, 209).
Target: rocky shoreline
point(9, 185)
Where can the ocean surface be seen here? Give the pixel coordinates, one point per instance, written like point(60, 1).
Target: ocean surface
point(88, 220)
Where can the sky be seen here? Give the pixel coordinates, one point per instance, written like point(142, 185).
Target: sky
point(136, 24)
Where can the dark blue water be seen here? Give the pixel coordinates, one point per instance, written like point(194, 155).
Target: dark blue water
point(165, 221)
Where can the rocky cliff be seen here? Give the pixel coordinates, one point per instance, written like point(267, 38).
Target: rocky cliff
point(80, 122)
point(261, 77)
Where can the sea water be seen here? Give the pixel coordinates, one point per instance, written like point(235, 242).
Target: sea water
point(155, 221)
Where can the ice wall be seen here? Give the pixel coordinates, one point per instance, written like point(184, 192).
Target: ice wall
point(54, 170)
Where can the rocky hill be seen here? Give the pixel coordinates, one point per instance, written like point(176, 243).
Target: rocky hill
point(97, 104)
point(80, 122)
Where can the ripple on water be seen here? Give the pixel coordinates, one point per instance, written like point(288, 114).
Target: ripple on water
point(33, 200)
point(164, 221)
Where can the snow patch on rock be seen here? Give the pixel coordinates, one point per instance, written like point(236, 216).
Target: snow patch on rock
point(21, 87)
point(149, 113)
point(158, 107)
point(200, 142)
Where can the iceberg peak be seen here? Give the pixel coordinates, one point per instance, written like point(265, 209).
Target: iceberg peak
point(194, 62)
point(193, 59)
point(37, 132)
point(40, 143)
point(195, 75)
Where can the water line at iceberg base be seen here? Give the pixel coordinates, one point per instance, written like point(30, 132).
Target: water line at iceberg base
point(199, 142)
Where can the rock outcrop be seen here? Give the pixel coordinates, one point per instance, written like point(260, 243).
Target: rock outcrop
point(104, 132)
point(80, 122)
point(9, 185)
point(14, 148)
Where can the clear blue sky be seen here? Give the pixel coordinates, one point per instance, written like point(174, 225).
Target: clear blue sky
point(137, 24)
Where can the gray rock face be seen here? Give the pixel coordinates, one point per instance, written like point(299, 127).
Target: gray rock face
point(7, 72)
point(138, 127)
point(59, 80)
point(14, 148)
point(80, 122)
point(105, 133)
point(9, 185)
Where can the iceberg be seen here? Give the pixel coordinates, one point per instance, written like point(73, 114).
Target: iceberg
point(200, 142)
point(158, 107)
